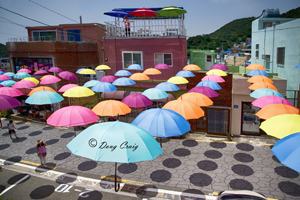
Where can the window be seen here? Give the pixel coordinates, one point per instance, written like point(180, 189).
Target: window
point(74, 35)
point(44, 35)
point(165, 58)
point(265, 57)
point(280, 55)
point(33, 64)
point(267, 24)
point(133, 57)
point(257, 51)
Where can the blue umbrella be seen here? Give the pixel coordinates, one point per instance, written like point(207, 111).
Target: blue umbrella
point(185, 73)
point(44, 97)
point(21, 75)
point(8, 83)
point(117, 13)
point(287, 150)
point(123, 82)
point(91, 83)
point(298, 67)
point(257, 72)
point(115, 142)
point(1, 72)
point(211, 84)
point(265, 92)
point(155, 93)
point(79, 70)
point(123, 72)
point(11, 74)
point(166, 86)
point(104, 87)
point(135, 66)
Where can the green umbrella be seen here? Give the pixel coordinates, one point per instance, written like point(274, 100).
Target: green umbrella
point(170, 11)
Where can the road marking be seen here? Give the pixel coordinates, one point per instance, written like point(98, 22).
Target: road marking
point(120, 180)
point(27, 123)
point(13, 185)
point(36, 164)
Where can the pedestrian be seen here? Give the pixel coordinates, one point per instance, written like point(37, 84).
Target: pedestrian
point(41, 151)
point(11, 129)
point(127, 25)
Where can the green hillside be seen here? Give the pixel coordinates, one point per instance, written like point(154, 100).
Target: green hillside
point(294, 13)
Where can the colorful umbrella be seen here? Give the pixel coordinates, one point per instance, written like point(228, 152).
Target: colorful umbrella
point(66, 87)
point(135, 66)
point(123, 82)
point(111, 108)
point(104, 87)
point(192, 67)
point(204, 90)
point(43, 98)
point(45, 76)
point(187, 109)
point(78, 91)
point(177, 80)
point(32, 79)
point(87, 71)
point(55, 69)
point(259, 78)
point(276, 109)
point(1, 85)
point(185, 73)
point(220, 67)
point(12, 92)
point(264, 92)
point(102, 67)
point(162, 66)
point(117, 13)
point(170, 11)
point(137, 101)
point(212, 84)
point(260, 85)
point(155, 93)
point(143, 12)
point(4, 77)
point(213, 77)
point(197, 98)
point(40, 72)
point(8, 83)
point(216, 72)
point(298, 67)
point(139, 77)
point(281, 126)
point(79, 70)
point(123, 72)
point(8, 102)
point(24, 70)
point(255, 66)
point(287, 150)
point(10, 74)
point(166, 86)
point(69, 76)
point(49, 80)
point(41, 88)
point(267, 100)
point(1, 72)
point(257, 72)
point(108, 78)
point(152, 71)
point(91, 83)
point(24, 84)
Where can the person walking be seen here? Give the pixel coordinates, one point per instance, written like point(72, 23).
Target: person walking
point(11, 129)
point(127, 25)
point(41, 151)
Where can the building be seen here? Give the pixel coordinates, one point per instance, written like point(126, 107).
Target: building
point(5, 65)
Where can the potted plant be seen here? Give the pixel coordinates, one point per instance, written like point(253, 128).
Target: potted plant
point(229, 136)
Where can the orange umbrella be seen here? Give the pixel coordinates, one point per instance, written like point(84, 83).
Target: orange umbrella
point(187, 109)
point(111, 108)
point(256, 66)
point(139, 77)
point(197, 98)
point(41, 88)
point(45, 77)
point(192, 67)
point(276, 109)
point(152, 71)
point(259, 78)
point(260, 85)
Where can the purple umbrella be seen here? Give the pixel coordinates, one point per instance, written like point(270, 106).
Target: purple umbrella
point(8, 102)
point(219, 66)
point(108, 79)
point(137, 101)
point(55, 69)
point(204, 90)
point(67, 76)
point(2, 70)
point(1, 86)
point(40, 72)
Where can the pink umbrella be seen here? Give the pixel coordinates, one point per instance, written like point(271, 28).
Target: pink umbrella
point(162, 66)
point(137, 101)
point(205, 90)
point(24, 84)
point(108, 78)
point(2, 70)
point(213, 77)
point(267, 100)
point(1, 86)
point(40, 72)
point(66, 87)
point(55, 69)
point(8, 102)
point(49, 80)
point(12, 92)
point(24, 70)
point(4, 77)
point(219, 66)
point(67, 76)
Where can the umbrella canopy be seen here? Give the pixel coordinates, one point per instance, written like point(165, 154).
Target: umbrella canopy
point(45, 76)
point(155, 93)
point(24, 84)
point(166, 86)
point(216, 72)
point(41, 88)
point(40, 72)
point(4, 77)
point(135, 66)
point(123, 72)
point(10, 74)
point(267, 100)
point(264, 92)
point(1, 85)
point(152, 71)
point(197, 98)
point(69, 76)
point(49, 80)
point(185, 73)
point(102, 67)
point(143, 12)
point(259, 78)
point(162, 66)
point(108, 78)
point(32, 79)
point(87, 71)
point(255, 66)
point(204, 90)
point(160, 122)
point(79, 70)
point(257, 72)
point(21, 75)
point(104, 87)
point(187, 109)
point(12, 92)
point(192, 67)
point(111, 108)
point(170, 11)
point(213, 77)
point(177, 80)
point(55, 69)
point(2, 70)
point(137, 101)
point(260, 85)
point(117, 13)
point(220, 67)
point(72, 116)
point(123, 82)
point(287, 150)
point(44, 97)
point(139, 77)
point(276, 109)
point(66, 87)
point(8, 83)
point(78, 91)
point(8, 102)
point(212, 84)
point(91, 83)
point(281, 126)
point(298, 67)
point(24, 70)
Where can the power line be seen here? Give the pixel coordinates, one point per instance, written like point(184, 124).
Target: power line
point(53, 11)
point(11, 22)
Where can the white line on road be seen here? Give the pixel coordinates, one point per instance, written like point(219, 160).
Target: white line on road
point(13, 185)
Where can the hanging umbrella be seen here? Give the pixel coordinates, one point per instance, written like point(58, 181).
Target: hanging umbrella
point(143, 12)
point(79, 70)
point(123, 72)
point(78, 91)
point(166, 86)
point(117, 13)
point(24, 70)
point(87, 71)
point(255, 66)
point(24, 84)
point(267, 100)
point(135, 66)
point(4, 77)
point(69, 76)
point(123, 82)
point(152, 71)
point(192, 67)
point(133, 144)
point(43, 98)
point(40, 72)
point(298, 66)
point(162, 66)
point(213, 77)
point(55, 69)
point(220, 67)
point(260, 85)
point(185, 73)
point(49, 80)
point(8, 102)
point(104, 87)
point(187, 109)
point(204, 90)
point(257, 72)
point(1, 85)
point(66, 87)
point(137, 101)
point(216, 72)
point(197, 98)
point(170, 11)
point(111, 108)
point(281, 126)
point(264, 92)
point(259, 78)
point(276, 109)
point(41, 88)
point(91, 83)
point(155, 93)
point(12, 92)
point(212, 84)
point(10, 74)
point(108, 79)
point(8, 83)
point(177, 80)
point(287, 150)
point(1, 72)
point(32, 79)
point(45, 76)
point(21, 75)
point(139, 77)
point(102, 67)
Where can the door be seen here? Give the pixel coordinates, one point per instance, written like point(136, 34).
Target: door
point(250, 122)
point(208, 61)
point(218, 121)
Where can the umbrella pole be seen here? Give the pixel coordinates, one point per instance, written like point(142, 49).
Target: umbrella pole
point(74, 131)
point(117, 186)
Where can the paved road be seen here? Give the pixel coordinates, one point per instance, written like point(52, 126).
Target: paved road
point(187, 165)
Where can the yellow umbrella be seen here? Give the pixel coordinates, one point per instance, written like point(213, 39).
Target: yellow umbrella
point(87, 71)
point(216, 72)
point(197, 98)
point(256, 66)
point(259, 78)
point(41, 88)
point(32, 79)
point(102, 67)
point(260, 85)
point(139, 77)
point(45, 77)
point(78, 91)
point(177, 80)
point(152, 71)
point(192, 67)
point(111, 108)
point(281, 126)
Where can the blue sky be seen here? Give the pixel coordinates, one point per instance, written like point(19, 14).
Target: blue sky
point(203, 16)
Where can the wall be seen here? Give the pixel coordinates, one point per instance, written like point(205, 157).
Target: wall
point(198, 57)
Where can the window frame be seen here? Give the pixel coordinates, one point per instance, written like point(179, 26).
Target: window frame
point(281, 57)
point(155, 63)
point(40, 35)
point(132, 52)
point(257, 51)
point(69, 31)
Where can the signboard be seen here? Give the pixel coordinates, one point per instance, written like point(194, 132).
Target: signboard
point(98, 75)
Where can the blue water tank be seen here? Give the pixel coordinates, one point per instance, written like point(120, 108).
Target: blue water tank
point(271, 13)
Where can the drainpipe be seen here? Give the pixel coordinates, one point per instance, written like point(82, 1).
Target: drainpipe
point(273, 57)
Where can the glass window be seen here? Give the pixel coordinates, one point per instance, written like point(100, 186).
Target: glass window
point(33, 64)
point(250, 122)
point(165, 58)
point(74, 35)
point(132, 58)
point(280, 55)
point(44, 35)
